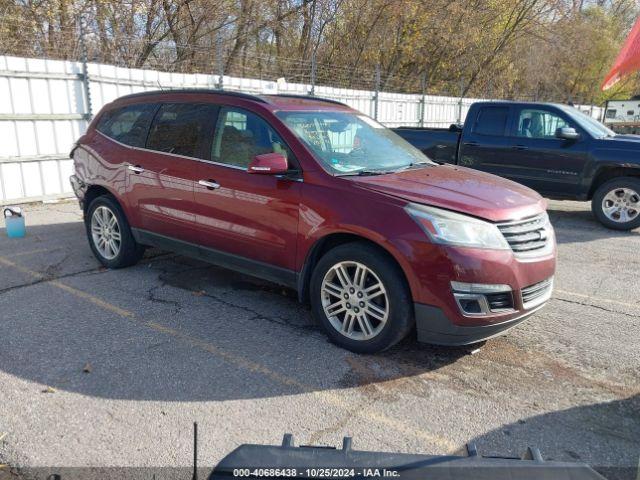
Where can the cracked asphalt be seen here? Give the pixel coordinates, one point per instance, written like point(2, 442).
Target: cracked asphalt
point(110, 368)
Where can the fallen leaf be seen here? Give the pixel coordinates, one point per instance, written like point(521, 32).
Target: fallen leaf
point(87, 368)
point(49, 390)
point(199, 293)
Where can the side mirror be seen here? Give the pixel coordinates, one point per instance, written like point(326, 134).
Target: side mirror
point(269, 164)
point(567, 133)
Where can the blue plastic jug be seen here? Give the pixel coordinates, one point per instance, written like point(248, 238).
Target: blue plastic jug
point(15, 222)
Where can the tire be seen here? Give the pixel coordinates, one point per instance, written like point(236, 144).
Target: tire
point(361, 337)
point(103, 209)
point(626, 190)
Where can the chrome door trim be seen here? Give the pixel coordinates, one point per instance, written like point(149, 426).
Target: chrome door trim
point(202, 160)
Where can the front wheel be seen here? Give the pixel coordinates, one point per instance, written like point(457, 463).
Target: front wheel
point(360, 297)
point(616, 203)
point(109, 234)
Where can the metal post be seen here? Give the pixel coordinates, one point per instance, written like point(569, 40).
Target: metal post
point(312, 92)
point(603, 113)
point(219, 60)
point(423, 99)
point(459, 119)
point(85, 71)
point(195, 451)
point(377, 92)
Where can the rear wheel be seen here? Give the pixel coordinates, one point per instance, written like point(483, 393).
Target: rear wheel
point(616, 203)
point(109, 234)
point(360, 297)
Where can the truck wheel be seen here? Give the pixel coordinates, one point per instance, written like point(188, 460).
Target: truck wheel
point(360, 297)
point(616, 203)
point(109, 234)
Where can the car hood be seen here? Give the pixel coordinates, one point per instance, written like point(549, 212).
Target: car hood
point(459, 189)
point(620, 142)
point(628, 136)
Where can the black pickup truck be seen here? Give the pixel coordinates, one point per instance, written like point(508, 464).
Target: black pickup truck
point(554, 149)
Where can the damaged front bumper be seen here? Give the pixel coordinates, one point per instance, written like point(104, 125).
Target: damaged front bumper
point(79, 189)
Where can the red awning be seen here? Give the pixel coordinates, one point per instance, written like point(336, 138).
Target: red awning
point(628, 59)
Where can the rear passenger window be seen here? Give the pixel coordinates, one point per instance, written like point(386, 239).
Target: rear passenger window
point(128, 125)
point(183, 129)
point(491, 121)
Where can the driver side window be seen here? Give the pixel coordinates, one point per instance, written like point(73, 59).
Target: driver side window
point(241, 135)
point(536, 123)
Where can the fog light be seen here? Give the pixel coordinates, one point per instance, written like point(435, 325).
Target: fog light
point(478, 299)
point(470, 305)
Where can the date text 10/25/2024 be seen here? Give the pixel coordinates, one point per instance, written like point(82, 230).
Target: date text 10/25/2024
point(315, 472)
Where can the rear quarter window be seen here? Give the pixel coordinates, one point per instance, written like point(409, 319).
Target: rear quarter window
point(491, 121)
point(128, 125)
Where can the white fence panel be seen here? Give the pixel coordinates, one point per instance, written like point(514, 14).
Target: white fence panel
point(44, 109)
point(42, 112)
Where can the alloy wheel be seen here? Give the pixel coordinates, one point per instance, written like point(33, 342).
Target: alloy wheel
point(621, 205)
point(105, 232)
point(355, 300)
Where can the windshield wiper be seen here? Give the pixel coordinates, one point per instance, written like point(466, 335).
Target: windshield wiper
point(414, 165)
point(373, 171)
point(365, 172)
point(420, 164)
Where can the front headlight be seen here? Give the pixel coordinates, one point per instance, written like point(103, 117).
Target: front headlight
point(449, 228)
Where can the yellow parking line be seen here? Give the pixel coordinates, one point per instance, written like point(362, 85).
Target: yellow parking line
point(93, 299)
point(327, 396)
point(598, 299)
point(31, 273)
point(33, 252)
point(74, 291)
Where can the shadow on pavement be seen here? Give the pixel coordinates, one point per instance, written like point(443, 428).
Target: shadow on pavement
point(197, 332)
point(609, 433)
point(578, 226)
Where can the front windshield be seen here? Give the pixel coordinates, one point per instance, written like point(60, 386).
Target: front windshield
point(349, 143)
point(590, 124)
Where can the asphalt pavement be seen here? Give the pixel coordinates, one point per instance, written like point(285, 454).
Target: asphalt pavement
point(111, 368)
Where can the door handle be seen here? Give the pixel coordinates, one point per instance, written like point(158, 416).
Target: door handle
point(470, 144)
point(520, 147)
point(210, 184)
point(137, 169)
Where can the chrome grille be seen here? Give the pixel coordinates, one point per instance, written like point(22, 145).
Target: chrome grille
point(538, 293)
point(527, 236)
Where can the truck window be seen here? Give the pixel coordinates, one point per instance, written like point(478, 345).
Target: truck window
point(534, 123)
point(182, 129)
point(611, 113)
point(128, 125)
point(491, 121)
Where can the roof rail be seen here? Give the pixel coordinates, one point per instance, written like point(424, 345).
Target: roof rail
point(305, 97)
point(198, 90)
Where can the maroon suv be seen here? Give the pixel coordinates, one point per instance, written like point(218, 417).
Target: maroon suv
point(314, 195)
